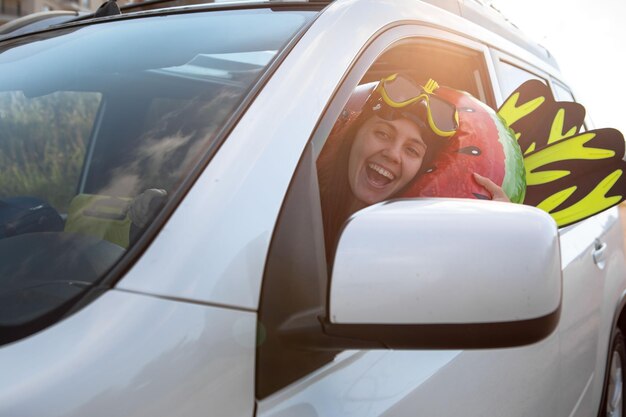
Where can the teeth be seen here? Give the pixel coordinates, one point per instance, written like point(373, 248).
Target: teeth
point(382, 171)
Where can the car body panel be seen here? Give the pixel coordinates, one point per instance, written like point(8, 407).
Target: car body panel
point(426, 383)
point(596, 300)
point(131, 354)
point(579, 325)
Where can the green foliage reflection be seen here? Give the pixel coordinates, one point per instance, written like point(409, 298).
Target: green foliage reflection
point(43, 142)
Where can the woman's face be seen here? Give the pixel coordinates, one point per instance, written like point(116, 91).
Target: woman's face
point(385, 156)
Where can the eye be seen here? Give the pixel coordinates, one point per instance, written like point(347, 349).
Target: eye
point(470, 150)
point(413, 151)
point(381, 134)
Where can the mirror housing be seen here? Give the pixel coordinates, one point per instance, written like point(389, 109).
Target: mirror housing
point(445, 274)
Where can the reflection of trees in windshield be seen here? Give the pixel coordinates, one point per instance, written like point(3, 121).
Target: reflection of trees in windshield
point(42, 144)
point(161, 157)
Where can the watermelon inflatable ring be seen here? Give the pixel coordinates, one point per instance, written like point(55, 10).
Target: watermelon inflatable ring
point(483, 144)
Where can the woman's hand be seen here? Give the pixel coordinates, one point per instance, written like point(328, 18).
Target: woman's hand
point(497, 194)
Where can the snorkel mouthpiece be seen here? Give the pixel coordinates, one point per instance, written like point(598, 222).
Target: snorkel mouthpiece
point(431, 86)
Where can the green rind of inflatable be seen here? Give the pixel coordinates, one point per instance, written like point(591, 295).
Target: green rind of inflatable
point(514, 182)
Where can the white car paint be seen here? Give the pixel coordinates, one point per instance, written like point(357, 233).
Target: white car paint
point(410, 258)
point(163, 356)
point(180, 340)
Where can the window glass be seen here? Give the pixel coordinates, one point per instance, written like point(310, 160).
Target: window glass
point(561, 93)
point(100, 126)
point(512, 76)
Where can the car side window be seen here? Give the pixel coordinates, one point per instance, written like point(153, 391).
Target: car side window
point(511, 76)
point(293, 297)
point(562, 93)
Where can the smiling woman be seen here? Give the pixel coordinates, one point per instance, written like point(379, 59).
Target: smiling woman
point(374, 157)
point(372, 160)
point(385, 156)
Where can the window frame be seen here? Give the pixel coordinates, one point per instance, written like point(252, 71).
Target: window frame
point(555, 82)
point(500, 59)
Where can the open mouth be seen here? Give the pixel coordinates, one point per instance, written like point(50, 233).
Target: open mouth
point(379, 176)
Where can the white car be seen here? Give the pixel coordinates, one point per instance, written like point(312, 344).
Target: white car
point(161, 241)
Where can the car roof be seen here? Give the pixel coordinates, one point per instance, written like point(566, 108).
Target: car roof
point(485, 15)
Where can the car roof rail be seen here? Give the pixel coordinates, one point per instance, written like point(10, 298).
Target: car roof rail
point(156, 4)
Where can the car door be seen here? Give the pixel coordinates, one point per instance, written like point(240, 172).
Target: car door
point(300, 382)
point(608, 256)
point(586, 249)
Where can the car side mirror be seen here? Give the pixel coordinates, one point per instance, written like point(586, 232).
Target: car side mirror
point(445, 274)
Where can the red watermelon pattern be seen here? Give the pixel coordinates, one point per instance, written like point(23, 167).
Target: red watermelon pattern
point(483, 144)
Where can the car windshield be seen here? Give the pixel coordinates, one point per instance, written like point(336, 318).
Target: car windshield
point(99, 127)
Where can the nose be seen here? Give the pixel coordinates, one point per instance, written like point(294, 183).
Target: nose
point(392, 153)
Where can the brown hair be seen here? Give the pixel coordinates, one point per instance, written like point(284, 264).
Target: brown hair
point(336, 196)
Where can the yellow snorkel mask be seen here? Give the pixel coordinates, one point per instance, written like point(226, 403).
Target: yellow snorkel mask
point(403, 98)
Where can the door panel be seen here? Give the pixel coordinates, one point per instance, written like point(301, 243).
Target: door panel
point(427, 383)
point(583, 326)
